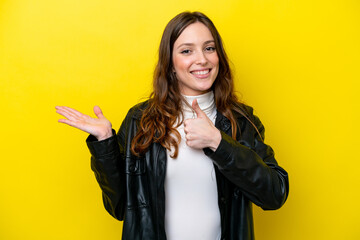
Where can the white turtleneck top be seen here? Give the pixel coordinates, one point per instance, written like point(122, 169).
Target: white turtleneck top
point(192, 211)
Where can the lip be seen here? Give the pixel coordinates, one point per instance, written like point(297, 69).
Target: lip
point(201, 75)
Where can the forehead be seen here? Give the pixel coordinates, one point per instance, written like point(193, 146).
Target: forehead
point(195, 33)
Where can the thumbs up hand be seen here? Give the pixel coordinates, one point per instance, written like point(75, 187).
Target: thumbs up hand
point(201, 132)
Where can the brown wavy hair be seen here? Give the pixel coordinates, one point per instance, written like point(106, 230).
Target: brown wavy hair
point(160, 118)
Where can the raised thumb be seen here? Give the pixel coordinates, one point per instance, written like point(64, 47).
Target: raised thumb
point(195, 106)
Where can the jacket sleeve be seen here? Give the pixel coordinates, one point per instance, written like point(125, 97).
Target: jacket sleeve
point(253, 168)
point(107, 162)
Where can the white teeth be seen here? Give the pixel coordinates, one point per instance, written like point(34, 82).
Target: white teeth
point(201, 72)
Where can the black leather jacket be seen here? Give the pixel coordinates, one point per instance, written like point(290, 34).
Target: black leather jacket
point(133, 187)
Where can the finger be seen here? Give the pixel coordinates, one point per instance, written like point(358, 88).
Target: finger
point(187, 122)
point(72, 111)
point(68, 122)
point(187, 125)
point(195, 106)
point(186, 130)
point(66, 114)
point(98, 112)
point(190, 143)
point(71, 114)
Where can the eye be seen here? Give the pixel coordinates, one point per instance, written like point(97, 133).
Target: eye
point(210, 49)
point(186, 51)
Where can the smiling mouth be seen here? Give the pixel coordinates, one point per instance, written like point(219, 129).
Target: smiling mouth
point(201, 72)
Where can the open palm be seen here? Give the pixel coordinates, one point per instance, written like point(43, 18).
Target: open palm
point(100, 127)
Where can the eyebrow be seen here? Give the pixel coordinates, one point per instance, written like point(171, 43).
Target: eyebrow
point(191, 44)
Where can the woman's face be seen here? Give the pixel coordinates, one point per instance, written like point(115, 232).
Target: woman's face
point(195, 61)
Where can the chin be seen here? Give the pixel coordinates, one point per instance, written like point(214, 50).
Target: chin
point(205, 88)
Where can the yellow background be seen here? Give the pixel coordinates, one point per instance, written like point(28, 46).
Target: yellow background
point(296, 63)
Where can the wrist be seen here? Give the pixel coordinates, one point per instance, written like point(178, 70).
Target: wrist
point(215, 140)
point(105, 135)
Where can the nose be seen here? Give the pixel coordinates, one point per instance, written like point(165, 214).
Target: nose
point(201, 58)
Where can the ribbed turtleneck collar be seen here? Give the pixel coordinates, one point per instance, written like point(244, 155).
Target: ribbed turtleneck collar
point(205, 101)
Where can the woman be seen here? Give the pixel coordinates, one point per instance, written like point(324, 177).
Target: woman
point(189, 162)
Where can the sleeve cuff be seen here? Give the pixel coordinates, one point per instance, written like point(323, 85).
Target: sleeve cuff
point(223, 152)
point(103, 147)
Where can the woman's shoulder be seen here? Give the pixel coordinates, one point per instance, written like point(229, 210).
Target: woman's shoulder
point(137, 110)
point(251, 118)
point(140, 106)
point(242, 109)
